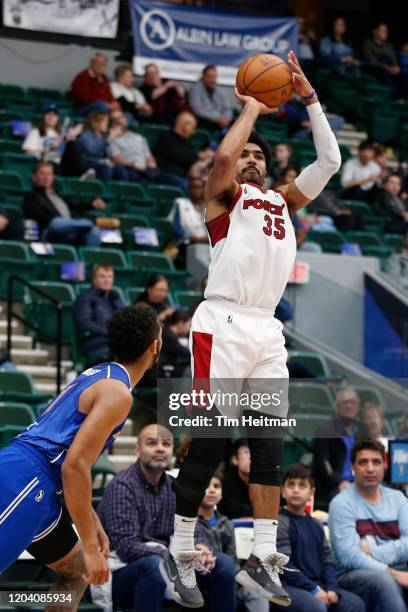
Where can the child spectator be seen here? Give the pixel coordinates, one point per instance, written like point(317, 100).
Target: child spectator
point(312, 585)
point(219, 532)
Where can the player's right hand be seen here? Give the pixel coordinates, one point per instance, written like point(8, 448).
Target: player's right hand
point(97, 568)
point(261, 108)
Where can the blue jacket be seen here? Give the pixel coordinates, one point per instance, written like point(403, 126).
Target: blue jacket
point(92, 311)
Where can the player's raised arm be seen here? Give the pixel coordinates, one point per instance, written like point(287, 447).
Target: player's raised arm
point(313, 179)
point(221, 185)
point(111, 402)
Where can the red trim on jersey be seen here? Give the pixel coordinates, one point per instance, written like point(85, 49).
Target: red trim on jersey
point(202, 347)
point(257, 186)
point(283, 195)
point(219, 226)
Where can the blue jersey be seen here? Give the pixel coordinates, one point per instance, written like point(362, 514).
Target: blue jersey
point(52, 434)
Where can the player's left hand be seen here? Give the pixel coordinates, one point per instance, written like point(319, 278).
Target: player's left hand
point(301, 85)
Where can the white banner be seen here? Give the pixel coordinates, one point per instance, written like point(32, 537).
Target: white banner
point(93, 18)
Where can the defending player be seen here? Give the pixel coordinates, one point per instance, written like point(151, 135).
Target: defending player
point(234, 334)
point(55, 455)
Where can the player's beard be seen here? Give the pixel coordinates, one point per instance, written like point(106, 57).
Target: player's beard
point(252, 177)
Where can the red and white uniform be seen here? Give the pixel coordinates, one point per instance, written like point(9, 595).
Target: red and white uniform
point(253, 247)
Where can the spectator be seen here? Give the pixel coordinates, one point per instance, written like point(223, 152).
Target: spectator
point(210, 103)
point(156, 294)
point(328, 203)
point(360, 175)
point(174, 153)
point(90, 89)
point(372, 415)
point(313, 585)
point(295, 115)
point(397, 265)
point(389, 201)
point(131, 151)
point(166, 98)
point(53, 214)
point(332, 446)
point(137, 512)
point(282, 154)
point(369, 533)
point(46, 142)
point(236, 502)
point(96, 151)
point(130, 98)
point(220, 535)
point(92, 310)
point(383, 157)
point(337, 51)
point(308, 47)
point(175, 354)
point(10, 229)
point(187, 214)
point(380, 57)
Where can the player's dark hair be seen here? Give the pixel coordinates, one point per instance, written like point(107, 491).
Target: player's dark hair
point(130, 332)
point(367, 444)
point(297, 470)
point(256, 138)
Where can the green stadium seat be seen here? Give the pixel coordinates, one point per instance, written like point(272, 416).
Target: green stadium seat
point(88, 189)
point(43, 313)
point(130, 221)
point(133, 293)
point(164, 230)
point(15, 259)
point(369, 394)
point(12, 91)
point(188, 299)
point(124, 191)
point(384, 126)
point(151, 131)
point(310, 394)
point(308, 423)
point(20, 104)
point(112, 257)
point(342, 96)
point(46, 95)
point(395, 241)
point(158, 263)
point(13, 211)
point(364, 239)
point(356, 207)
point(19, 162)
point(16, 413)
point(315, 362)
point(163, 197)
point(8, 145)
point(52, 263)
point(17, 386)
point(12, 182)
point(200, 139)
point(329, 241)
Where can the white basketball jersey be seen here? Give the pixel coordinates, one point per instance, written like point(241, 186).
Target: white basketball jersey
point(253, 249)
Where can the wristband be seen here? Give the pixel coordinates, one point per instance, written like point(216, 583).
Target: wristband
point(316, 591)
point(309, 97)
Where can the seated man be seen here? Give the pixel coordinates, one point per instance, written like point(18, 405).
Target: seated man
point(209, 102)
point(235, 502)
point(187, 214)
point(389, 201)
point(90, 89)
point(174, 153)
point(220, 534)
point(332, 446)
point(92, 310)
point(53, 214)
point(360, 175)
point(369, 533)
point(137, 511)
point(313, 586)
point(131, 152)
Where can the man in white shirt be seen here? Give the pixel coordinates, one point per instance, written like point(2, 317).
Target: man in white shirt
point(360, 175)
point(129, 97)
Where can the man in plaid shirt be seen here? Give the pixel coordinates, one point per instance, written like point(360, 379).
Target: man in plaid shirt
point(137, 512)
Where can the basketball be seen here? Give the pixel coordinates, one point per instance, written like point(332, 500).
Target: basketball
point(265, 77)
